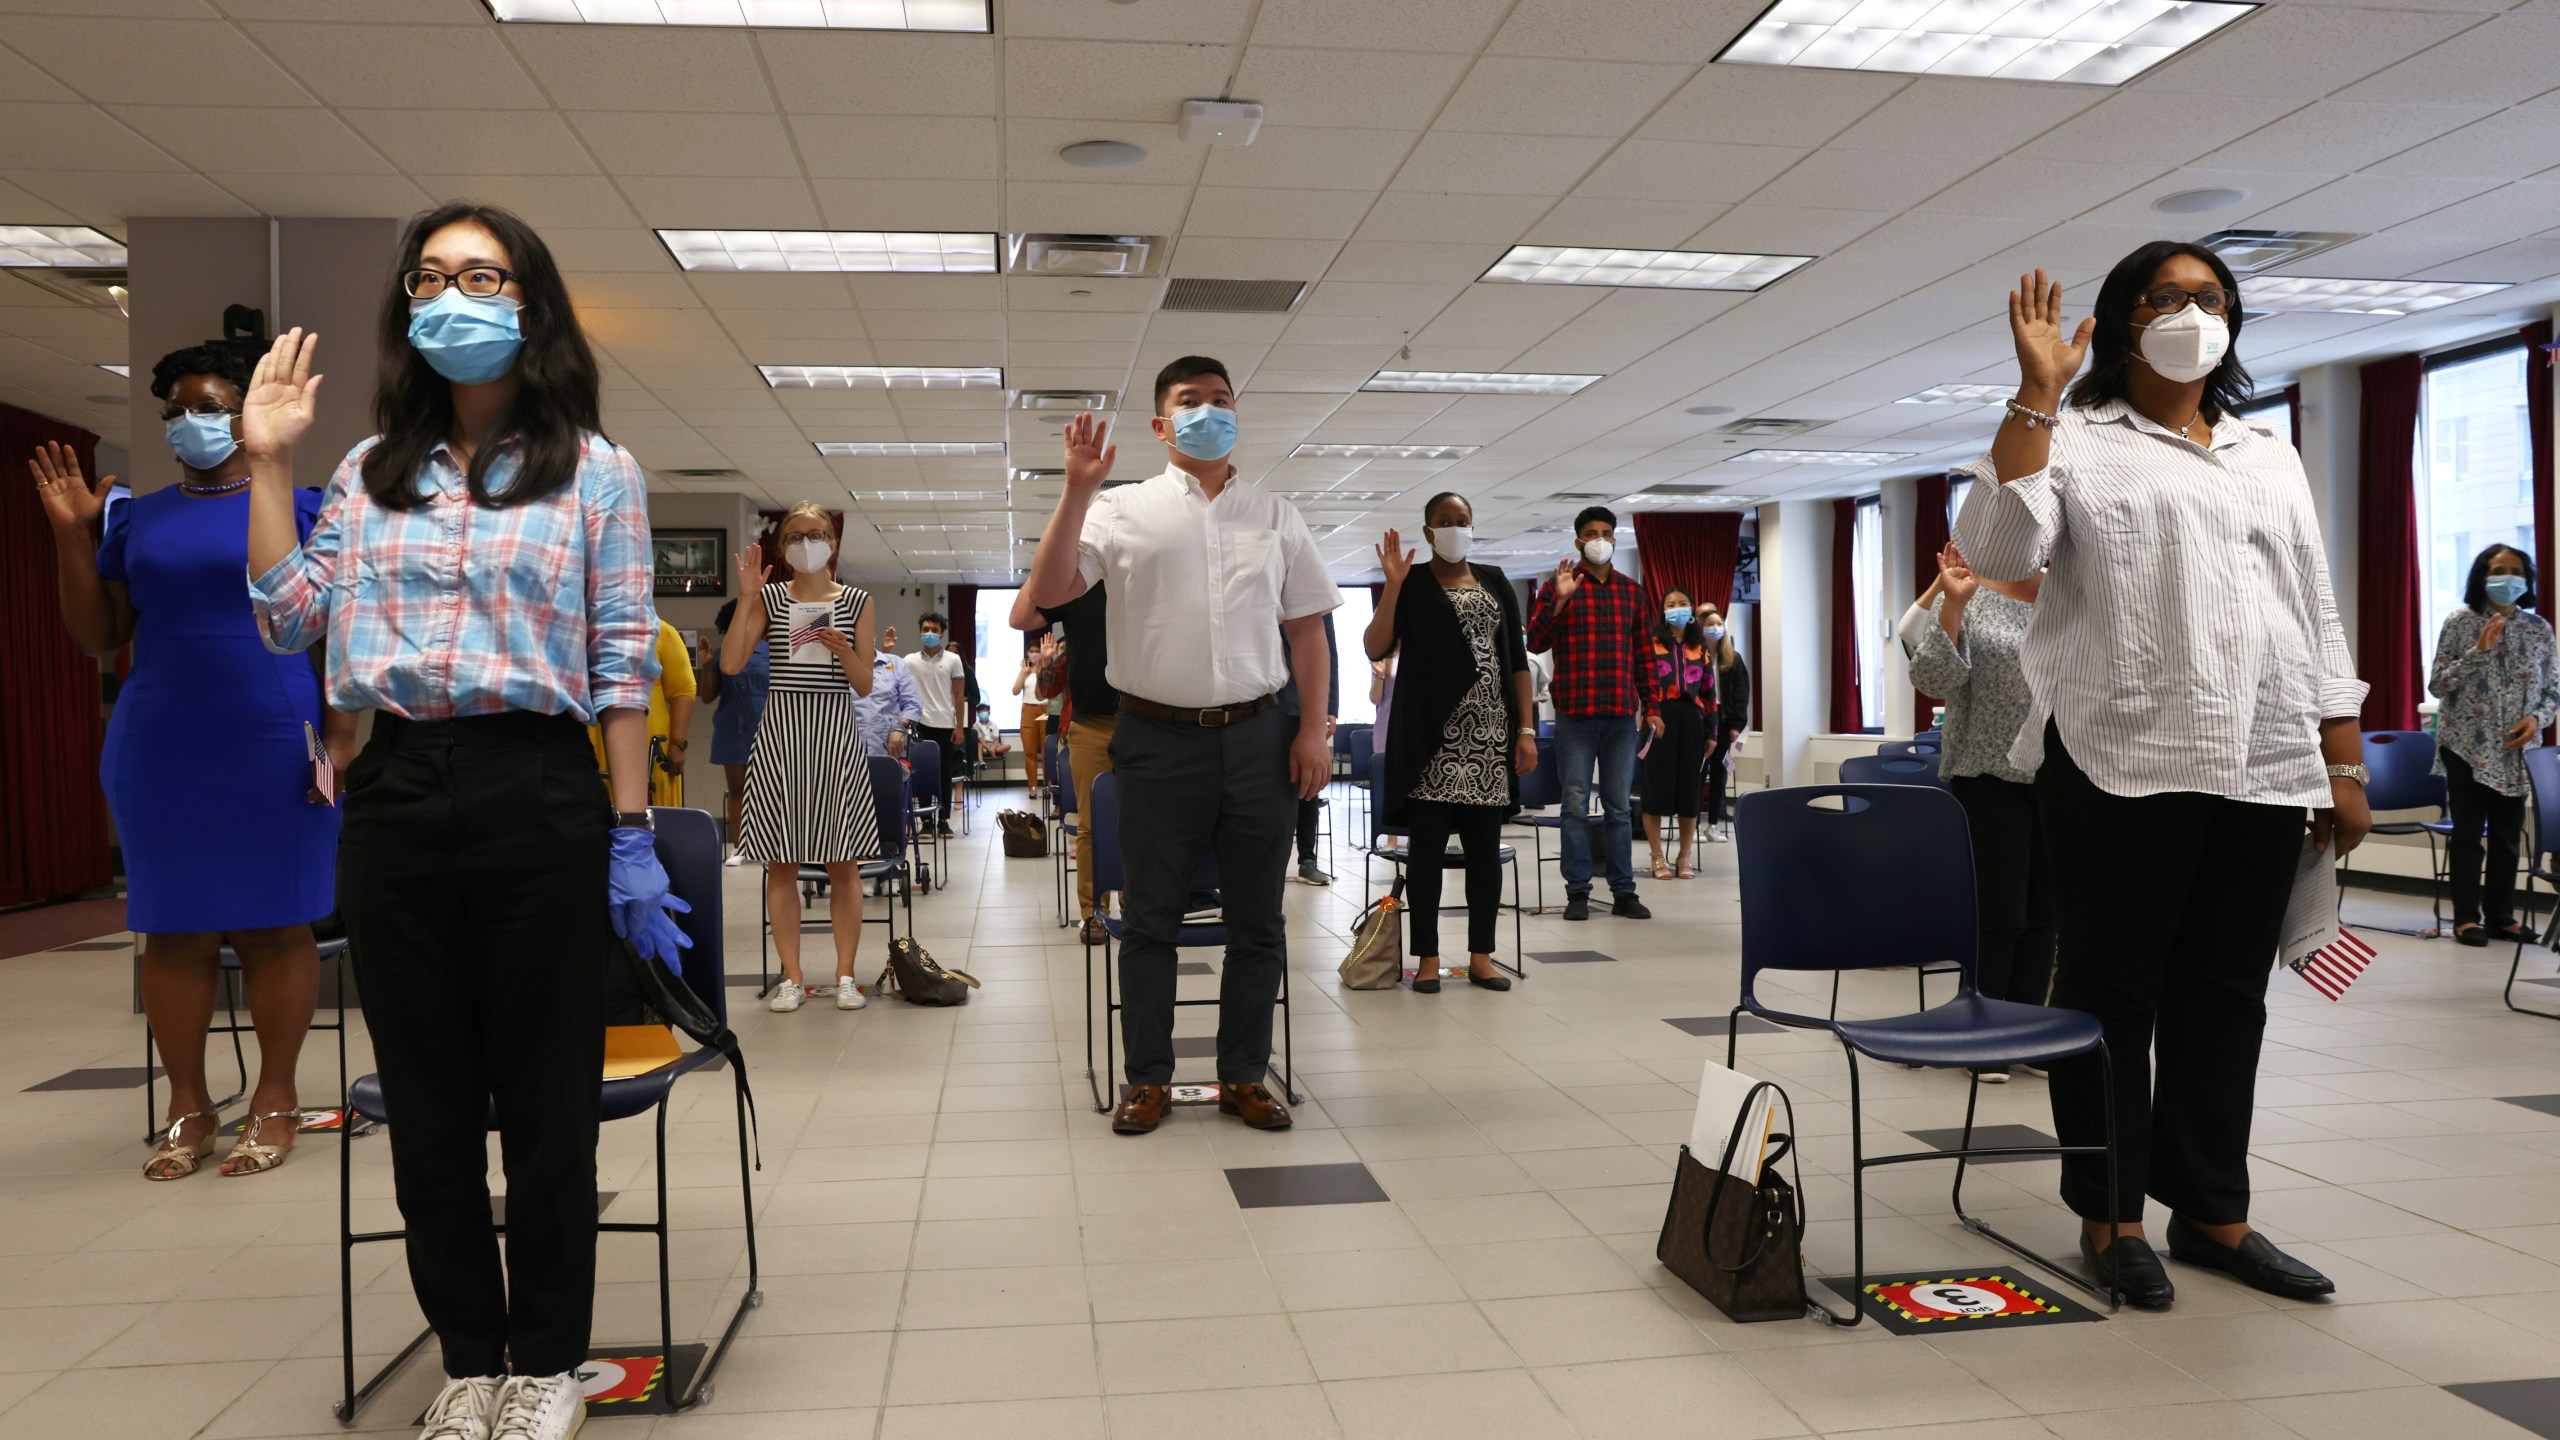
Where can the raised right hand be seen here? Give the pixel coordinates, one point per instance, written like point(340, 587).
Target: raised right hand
point(1955, 576)
point(751, 570)
point(2046, 361)
point(1088, 459)
point(1568, 580)
point(283, 398)
point(1393, 561)
point(2490, 632)
point(70, 503)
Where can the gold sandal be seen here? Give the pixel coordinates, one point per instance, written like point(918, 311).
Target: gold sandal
point(254, 1155)
point(178, 1158)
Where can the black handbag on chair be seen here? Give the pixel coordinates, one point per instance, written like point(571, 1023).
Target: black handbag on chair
point(1740, 1245)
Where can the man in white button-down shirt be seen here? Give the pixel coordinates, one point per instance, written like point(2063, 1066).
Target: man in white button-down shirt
point(1206, 576)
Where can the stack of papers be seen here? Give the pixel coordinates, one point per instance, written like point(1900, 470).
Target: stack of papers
point(1724, 1095)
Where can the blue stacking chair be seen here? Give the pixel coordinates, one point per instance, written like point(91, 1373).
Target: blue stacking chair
point(923, 786)
point(332, 941)
point(1053, 755)
point(2542, 767)
point(1917, 745)
point(689, 846)
point(1064, 825)
point(1919, 769)
point(1908, 855)
point(1540, 789)
point(1362, 744)
point(894, 813)
point(1385, 843)
point(2402, 765)
point(1110, 877)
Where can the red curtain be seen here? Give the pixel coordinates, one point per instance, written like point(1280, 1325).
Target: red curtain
point(2387, 547)
point(1848, 706)
point(53, 830)
point(964, 625)
point(1928, 537)
point(2537, 409)
point(1693, 553)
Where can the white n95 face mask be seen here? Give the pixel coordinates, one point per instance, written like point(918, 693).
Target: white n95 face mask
point(2185, 347)
point(1453, 543)
point(809, 557)
point(1598, 551)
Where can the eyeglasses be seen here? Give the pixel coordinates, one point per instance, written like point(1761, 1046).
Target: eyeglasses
point(201, 407)
point(2170, 299)
point(425, 284)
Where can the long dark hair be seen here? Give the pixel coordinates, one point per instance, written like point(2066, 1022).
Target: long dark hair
point(2475, 591)
point(2112, 350)
point(1695, 634)
point(555, 405)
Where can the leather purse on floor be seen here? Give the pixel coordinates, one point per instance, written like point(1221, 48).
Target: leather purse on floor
point(1740, 1245)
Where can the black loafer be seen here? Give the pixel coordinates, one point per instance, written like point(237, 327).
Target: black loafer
point(2136, 1269)
point(2473, 936)
point(2516, 932)
point(1489, 982)
point(1427, 983)
point(2254, 1262)
point(1628, 907)
point(1577, 907)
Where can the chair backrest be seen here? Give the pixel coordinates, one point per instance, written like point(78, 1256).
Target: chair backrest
point(1919, 745)
point(1377, 782)
point(2542, 767)
point(1062, 774)
point(1363, 744)
point(1845, 877)
point(1053, 754)
point(1342, 737)
point(889, 804)
point(1110, 876)
point(1543, 786)
point(927, 758)
point(689, 848)
point(1921, 769)
point(2403, 764)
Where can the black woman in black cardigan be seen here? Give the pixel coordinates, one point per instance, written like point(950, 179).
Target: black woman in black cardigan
point(1460, 732)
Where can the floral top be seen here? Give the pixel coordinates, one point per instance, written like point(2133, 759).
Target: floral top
point(1985, 690)
point(1685, 675)
point(2485, 695)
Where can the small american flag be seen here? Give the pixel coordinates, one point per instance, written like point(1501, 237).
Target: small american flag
point(2334, 966)
point(807, 634)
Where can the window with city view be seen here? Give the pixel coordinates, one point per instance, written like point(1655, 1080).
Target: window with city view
point(2474, 475)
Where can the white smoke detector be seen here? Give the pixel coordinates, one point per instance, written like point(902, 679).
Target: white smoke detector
point(1221, 122)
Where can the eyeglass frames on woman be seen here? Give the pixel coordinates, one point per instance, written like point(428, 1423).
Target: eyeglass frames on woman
point(2170, 299)
point(425, 284)
point(209, 407)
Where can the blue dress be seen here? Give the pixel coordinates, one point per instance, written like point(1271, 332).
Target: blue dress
point(205, 768)
point(733, 724)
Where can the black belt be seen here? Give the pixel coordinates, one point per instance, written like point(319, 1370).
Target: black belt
point(1215, 717)
point(508, 727)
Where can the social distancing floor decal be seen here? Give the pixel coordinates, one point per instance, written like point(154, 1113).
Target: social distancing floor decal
point(1942, 1302)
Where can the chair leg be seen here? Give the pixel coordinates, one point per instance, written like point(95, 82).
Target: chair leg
point(231, 981)
point(666, 1289)
point(1093, 1077)
point(1857, 1208)
point(1982, 1228)
point(1288, 1046)
point(2515, 966)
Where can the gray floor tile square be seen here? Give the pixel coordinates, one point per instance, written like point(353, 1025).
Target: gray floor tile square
point(2532, 1404)
point(1948, 1139)
point(1570, 957)
point(2547, 1104)
point(1195, 1047)
point(102, 1077)
point(1715, 1025)
point(1266, 1186)
point(1195, 967)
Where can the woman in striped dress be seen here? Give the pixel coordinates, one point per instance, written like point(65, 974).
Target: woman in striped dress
point(808, 782)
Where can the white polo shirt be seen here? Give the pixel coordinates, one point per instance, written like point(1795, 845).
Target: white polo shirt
point(1199, 587)
point(934, 673)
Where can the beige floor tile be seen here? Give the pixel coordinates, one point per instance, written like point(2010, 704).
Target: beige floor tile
point(1180, 1289)
point(1030, 1362)
point(185, 1331)
point(803, 1372)
point(2249, 1357)
point(1078, 1418)
point(2451, 1262)
point(2221, 1420)
point(1710, 1397)
point(1283, 1412)
point(2443, 1342)
point(1400, 1340)
point(998, 1244)
point(1593, 1328)
point(979, 1298)
point(148, 1402)
point(1313, 1229)
point(1198, 1235)
point(1225, 1353)
point(1510, 1269)
point(57, 1337)
point(1352, 1279)
point(2388, 1415)
point(2071, 1367)
point(1493, 1405)
point(828, 1304)
point(1899, 1384)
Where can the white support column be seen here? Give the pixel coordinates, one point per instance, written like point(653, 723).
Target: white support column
point(2332, 406)
point(1900, 501)
point(1795, 575)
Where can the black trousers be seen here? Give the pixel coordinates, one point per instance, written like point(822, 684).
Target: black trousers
point(1676, 761)
point(2012, 889)
point(1719, 802)
point(2475, 806)
point(1189, 794)
point(1310, 813)
point(1479, 831)
point(471, 872)
point(951, 757)
point(2172, 907)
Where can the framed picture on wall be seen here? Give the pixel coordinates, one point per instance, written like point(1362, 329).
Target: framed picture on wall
point(689, 562)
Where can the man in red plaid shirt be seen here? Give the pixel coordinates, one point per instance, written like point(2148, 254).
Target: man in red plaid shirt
point(1596, 622)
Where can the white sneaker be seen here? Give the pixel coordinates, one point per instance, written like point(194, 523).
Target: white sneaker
point(735, 860)
point(462, 1409)
point(849, 995)
point(1716, 835)
point(1998, 1076)
point(539, 1407)
point(787, 997)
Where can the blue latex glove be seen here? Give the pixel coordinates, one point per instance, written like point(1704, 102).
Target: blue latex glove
point(637, 899)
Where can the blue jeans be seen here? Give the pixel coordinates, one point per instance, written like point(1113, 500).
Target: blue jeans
point(1610, 741)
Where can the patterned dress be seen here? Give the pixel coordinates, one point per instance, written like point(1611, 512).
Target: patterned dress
point(2485, 695)
point(808, 797)
point(1473, 764)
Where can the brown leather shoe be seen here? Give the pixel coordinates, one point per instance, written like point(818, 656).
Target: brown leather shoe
point(1143, 1110)
point(1094, 934)
point(1253, 1105)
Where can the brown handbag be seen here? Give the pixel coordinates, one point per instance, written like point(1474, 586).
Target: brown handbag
point(1026, 837)
point(1741, 1246)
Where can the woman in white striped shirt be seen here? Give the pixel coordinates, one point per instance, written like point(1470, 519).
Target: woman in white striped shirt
point(2194, 698)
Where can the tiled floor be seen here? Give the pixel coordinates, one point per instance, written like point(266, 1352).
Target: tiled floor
point(954, 1245)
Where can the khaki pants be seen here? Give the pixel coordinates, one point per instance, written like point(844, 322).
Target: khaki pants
point(1088, 757)
point(1035, 733)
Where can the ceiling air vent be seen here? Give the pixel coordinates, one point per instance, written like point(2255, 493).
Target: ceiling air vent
point(1234, 297)
point(1063, 402)
point(1085, 257)
point(706, 474)
point(2249, 251)
point(1766, 425)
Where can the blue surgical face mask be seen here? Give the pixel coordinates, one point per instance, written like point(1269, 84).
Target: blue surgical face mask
point(930, 640)
point(467, 339)
point(1713, 633)
point(1678, 616)
point(1204, 432)
point(2505, 589)
point(202, 441)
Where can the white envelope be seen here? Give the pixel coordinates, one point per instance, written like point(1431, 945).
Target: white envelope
point(1722, 1095)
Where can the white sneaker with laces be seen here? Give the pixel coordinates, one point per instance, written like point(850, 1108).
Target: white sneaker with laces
point(849, 995)
point(462, 1409)
point(539, 1407)
point(787, 997)
point(735, 860)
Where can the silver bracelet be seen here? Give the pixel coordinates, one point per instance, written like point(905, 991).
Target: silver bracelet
point(2033, 418)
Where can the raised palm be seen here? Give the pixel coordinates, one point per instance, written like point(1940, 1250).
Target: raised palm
point(1393, 562)
point(1088, 458)
point(2046, 360)
point(283, 398)
point(70, 503)
point(751, 569)
point(1956, 576)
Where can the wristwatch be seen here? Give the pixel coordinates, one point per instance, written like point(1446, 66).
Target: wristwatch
point(2357, 773)
point(635, 820)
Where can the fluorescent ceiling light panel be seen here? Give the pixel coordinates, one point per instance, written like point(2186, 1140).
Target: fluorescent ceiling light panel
point(1818, 457)
point(1347, 497)
point(121, 371)
point(2073, 41)
point(75, 247)
point(2358, 297)
point(1382, 452)
point(966, 16)
point(956, 497)
point(920, 252)
point(910, 447)
point(1726, 502)
point(1960, 395)
point(1656, 269)
point(1475, 382)
point(917, 528)
point(883, 377)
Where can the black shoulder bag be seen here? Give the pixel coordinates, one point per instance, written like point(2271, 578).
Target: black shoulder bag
point(1741, 1246)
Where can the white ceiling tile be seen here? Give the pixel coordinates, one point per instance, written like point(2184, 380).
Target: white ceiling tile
point(2401, 253)
point(730, 146)
point(144, 62)
point(1473, 219)
point(612, 67)
point(1682, 309)
point(1031, 147)
point(1344, 329)
point(1542, 306)
point(834, 72)
point(1638, 224)
point(2340, 135)
point(2497, 63)
point(1041, 292)
point(1110, 80)
point(1202, 256)
point(109, 197)
point(2259, 187)
point(875, 293)
point(25, 208)
point(318, 195)
point(1516, 95)
point(2510, 212)
point(897, 147)
point(1276, 214)
point(1030, 355)
point(1595, 347)
point(474, 142)
point(1459, 26)
point(1770, 105)
point(1187, 333)
point(631, 291)
point(636, 336)
point(1681, 30)
point(1499, 164)
point(2038, 190)
point(371, 12)
point(2135, 127)
point(1212, 22)
point(2507, 145)
point(543, 201)
point(1767, 229)
point(1966, 117)
point(1310, 158)
point(1095, 207)
point(1888, 180)
point(421, 67)
point(1359, 88)
point(78, 137)
point(1405, 261)
point(1688, 172)
point(2367, 203)
point(909, 204)
point(1105, 327)
point(2303, 51)
point(892, 326)
point(2515, 261)
point(698, 202)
